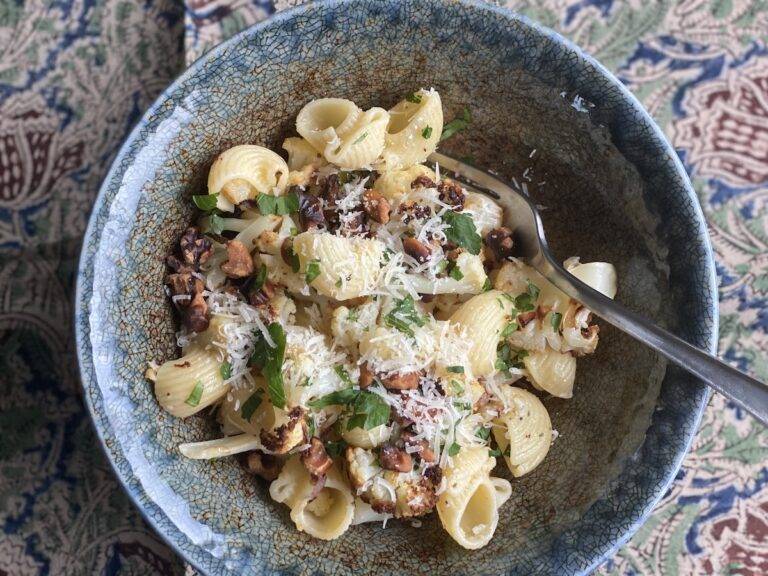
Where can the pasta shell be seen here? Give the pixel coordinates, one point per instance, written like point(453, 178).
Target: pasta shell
point(524, 432)
point(414, 130)
point(552, 371)
point(243, 172)
point(326, 119)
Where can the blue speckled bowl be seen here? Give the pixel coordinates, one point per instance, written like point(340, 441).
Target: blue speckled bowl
point(613, 188)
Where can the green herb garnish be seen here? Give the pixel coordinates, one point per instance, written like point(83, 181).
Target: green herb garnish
point(225, 370)
point(494, 453)
point(427, 132)
point(342, 373)
point(194, 397)
point(487, 284)
point(462, 232)
point(509, 329)
point(556, 319)
point(334, 448)
point(313, 271)
point(337, 398)
point(206, 202)
point(259, 278)
point(368, 410)
point(456, 387)
point(403, 315)
point(250, 405)
point(360, 138)
point(456, 273)
point(414, 98)
point(453, 449)
point(456, 369)
point(270, 361)
point(483, 433)
point(456, 125)
point(216, 223)
point(279, 205)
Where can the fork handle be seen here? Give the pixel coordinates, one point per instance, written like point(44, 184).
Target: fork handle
point(750, 394)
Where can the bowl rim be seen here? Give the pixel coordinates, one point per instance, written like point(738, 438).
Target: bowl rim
point(84, 287)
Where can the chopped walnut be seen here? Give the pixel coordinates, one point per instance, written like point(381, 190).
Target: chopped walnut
point(311, 214)
point(423, 181)
point(416, 249)
point(414, 210)
point(195, 248)
point(392, 458)
point(315, 458)
point(239, 263)
point(500, 242)
point(397, 381)
point(451, 193)
point(195, 315)
point(366, 376)
point(424, 451)
point(376, 206)
point(262, 296)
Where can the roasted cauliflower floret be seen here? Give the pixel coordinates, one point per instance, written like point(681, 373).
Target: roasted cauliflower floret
point(286, 436)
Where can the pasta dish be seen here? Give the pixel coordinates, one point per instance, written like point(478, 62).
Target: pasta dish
point(358, 325)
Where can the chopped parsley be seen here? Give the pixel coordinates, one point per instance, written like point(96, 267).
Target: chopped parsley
point(456, 273)
point(250, 405)
point(494, 453)
point(509, 329)
point(362, 137)
point(526, 301)
point(507, 358)
point(403, 315)
point(216, 223)
point(342, 373)
point(353, 315)
point(456, 125)
point(338, 283)
point(453, 449)
point(367, 410)
point(427, 132)
point(414, 98)
point(194, 397)
point(456, 369)
point(270, 361)
point(206, 202)
point(280, 205)
point(483, 433)
point(259, 278)
point(225, 370)
point(313, 271)
point(487, 284)
point(456, 387)
point(462, 232)
point(334, 448)
point(556, 319)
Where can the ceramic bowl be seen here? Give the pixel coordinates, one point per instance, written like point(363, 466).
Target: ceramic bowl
point(544, 114)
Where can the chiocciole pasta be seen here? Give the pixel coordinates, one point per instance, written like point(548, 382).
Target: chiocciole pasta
point(360, 325)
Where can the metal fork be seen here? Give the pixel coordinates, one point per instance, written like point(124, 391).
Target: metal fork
point(522, 217)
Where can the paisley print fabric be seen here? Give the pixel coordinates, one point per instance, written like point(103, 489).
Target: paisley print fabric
point(75, 75)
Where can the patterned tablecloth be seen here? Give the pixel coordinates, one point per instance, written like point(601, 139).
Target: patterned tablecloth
point(75, 75)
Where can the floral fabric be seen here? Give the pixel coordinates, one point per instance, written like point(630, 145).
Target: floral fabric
point(75, 75)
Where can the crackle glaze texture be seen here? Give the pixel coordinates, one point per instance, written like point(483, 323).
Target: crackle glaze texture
point(613, 190)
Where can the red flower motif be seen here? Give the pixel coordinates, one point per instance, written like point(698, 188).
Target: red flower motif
point(725, 132)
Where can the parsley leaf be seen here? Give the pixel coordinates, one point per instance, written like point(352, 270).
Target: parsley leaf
point(337, 398)
point(362, 137)
point(206, 202)
point(259, 278)
point(313, 271)
point(462, 232)
point(225, 370)
point(494, 453)
point(556, 320)
point(342, 373)
point(483, 433)
point(250, 405)
point(526, 301)
point(334, 448)
point(403, 315)
point(453, 449)
point(456, 273)
point(270, 361)
point(216, 223)
point(414, 98)
point(194, 397)
point(456, 387)
point(456, 125)
point(509, 329)
point(456, 369)
point(280, 205)
point(427, 132)
point(487, 284)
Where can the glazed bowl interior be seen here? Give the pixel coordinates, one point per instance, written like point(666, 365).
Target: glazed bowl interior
point(611, 188)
